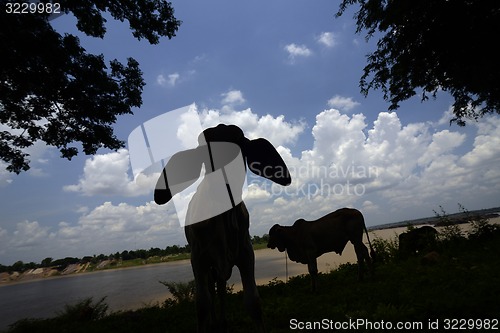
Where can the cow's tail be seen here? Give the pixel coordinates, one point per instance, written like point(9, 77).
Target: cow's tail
point(372, 252)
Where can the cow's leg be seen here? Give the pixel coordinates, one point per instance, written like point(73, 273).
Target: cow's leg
point(312, 266)
point(204, 308)
point(221, 292)
point(246, 265)
point(204, 295)
point(362, 255)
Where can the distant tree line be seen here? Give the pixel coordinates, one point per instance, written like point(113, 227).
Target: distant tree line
point(259, 240)
point(61, 264)
point(20, 266)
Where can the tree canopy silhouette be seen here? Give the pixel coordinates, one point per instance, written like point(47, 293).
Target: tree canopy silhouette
point(433, 45)
point(52, 90)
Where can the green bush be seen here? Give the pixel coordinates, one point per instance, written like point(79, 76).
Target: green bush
point(480, 227)
point(181, 291)
point(386, 249)
point(451, 231)
point(84, 310)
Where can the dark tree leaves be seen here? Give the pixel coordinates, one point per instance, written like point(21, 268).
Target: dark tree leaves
point(148, 19)
point(52, 90)
point(432, 45)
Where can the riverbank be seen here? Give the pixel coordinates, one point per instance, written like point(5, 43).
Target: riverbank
point(84, 268)
point(326, 262)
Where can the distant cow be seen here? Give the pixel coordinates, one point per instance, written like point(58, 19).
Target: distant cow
point(307, 240)
point(416, 240)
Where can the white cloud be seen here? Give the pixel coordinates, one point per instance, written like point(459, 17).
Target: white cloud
point(28, 235)
point(486, 147)
point(342, 103)
point(371, 166)
point(442, 142)
point(297, 51)
point(111, 228)
point(161, 80)
point(170, 80)
point(276, 129)
point(327, 39)
point(233, 97)
point(446, 117)
point(383, 168)
point(257, 193)
point(108, 174)
point(105, 229)
point(376, 166)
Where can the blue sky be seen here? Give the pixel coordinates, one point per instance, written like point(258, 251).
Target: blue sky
point(284, 70)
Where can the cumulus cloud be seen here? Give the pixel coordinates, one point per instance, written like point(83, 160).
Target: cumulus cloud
point(350, 163)
point(342, 103)
point(327, 39)
point(382, 168)
point(110, 228)
point(28, 235)
point(109, 174)
point(297, 51)
point(275, 129)
point(256, 193)
point(107, 228)
point(486, 146)
point(442, 142)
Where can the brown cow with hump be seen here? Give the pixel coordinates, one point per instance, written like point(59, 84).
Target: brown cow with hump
point(304, 241)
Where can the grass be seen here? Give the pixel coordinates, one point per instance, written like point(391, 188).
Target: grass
point(463, 283)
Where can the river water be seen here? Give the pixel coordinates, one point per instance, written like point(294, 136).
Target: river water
point(128, 288)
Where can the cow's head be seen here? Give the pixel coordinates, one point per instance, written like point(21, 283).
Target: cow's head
point(218, 147)
point(277, 238)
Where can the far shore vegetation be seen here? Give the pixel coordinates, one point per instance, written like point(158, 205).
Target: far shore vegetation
point(452, 283)
point(115, 260)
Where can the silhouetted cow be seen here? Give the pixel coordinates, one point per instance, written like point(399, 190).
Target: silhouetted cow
point(307, 240)
point(416, 240)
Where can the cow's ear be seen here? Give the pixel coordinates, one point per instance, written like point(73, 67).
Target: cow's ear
point(263, 160)
point(181, 171)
